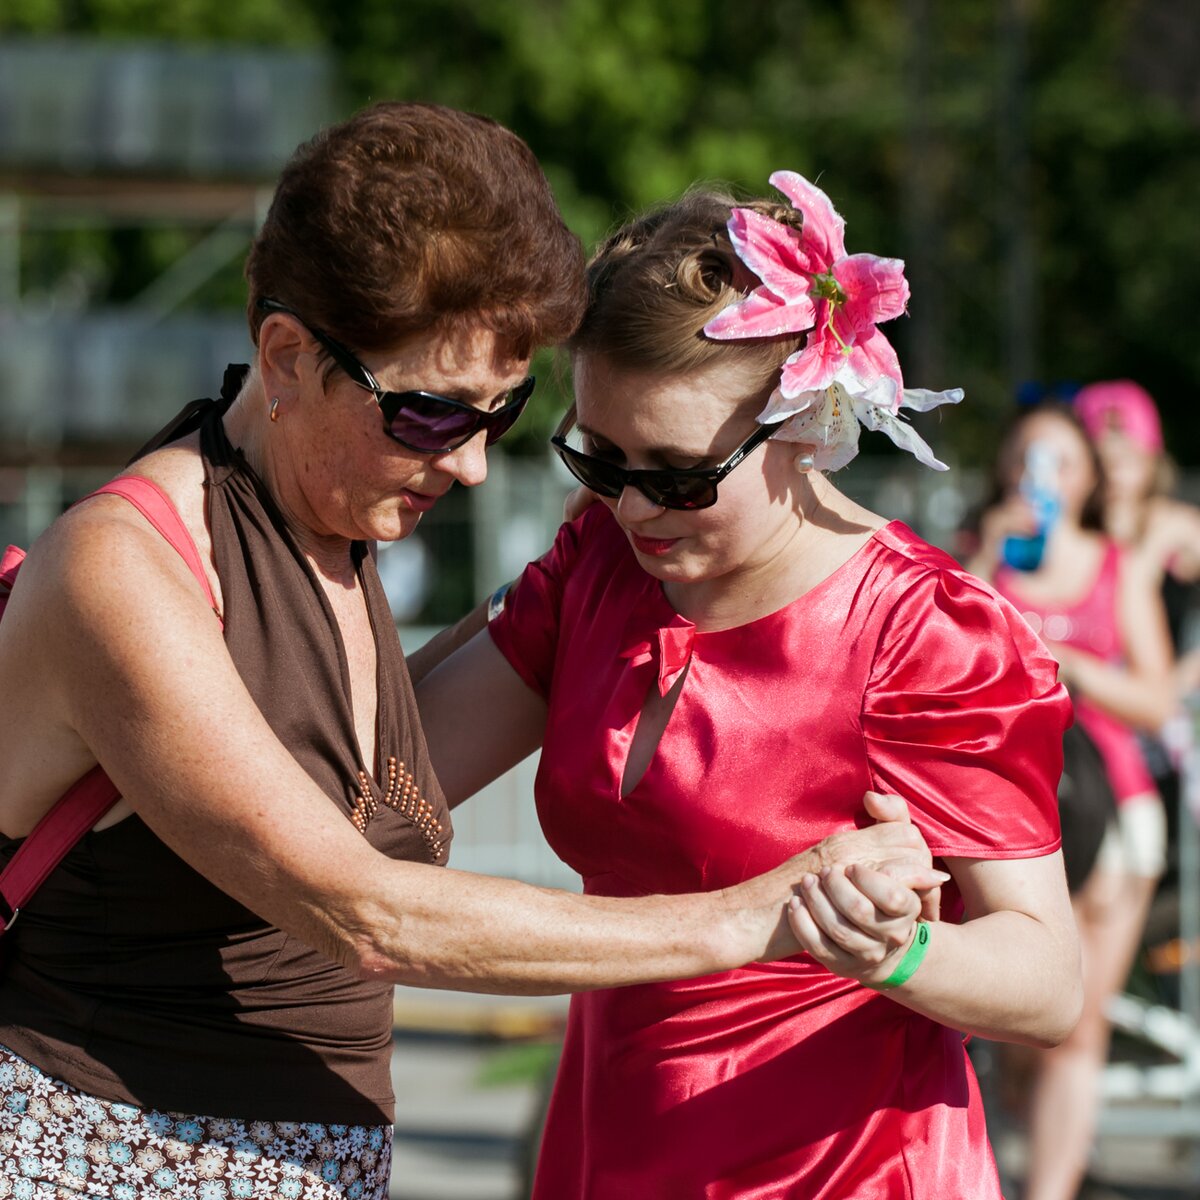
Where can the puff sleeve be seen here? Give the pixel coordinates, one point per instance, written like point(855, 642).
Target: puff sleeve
point(526, 632)
point(963, 717)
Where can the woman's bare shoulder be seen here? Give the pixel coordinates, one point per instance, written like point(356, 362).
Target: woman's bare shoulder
point(82, 599)
point(1175, 515)
point(179, 470)
point(1171, 538)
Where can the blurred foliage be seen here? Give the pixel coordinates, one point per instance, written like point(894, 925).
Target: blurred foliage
point(264, 22)
point(1037, 163)
point(520, 1064)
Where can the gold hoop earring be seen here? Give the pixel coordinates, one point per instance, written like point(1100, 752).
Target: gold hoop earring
point(274, 414)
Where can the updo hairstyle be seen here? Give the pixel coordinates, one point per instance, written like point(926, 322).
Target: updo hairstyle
point(656, 282)
point(413, 218)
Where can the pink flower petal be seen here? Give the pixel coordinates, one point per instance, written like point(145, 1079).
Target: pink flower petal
point(824, 230)
point(875, 288)
point(872, 356)
point(772, 251)
point(760, 314)
point(814, 367)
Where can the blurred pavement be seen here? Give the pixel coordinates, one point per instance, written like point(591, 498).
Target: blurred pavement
point(462, 1121)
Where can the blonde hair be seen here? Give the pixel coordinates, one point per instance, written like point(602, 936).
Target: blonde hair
point(656, 282)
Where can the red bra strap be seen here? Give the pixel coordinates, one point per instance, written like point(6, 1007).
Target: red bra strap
point(89, 798)
point(152, 502)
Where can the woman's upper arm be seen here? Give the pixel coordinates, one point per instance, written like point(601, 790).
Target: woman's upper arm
point(1171, 540)
point(480, 717)
point(1033, 887)
point(484, 707)
point(1143, 624)
point(146, 682)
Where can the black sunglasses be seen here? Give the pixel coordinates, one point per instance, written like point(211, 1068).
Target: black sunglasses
point(421, 421)
point(689, 488)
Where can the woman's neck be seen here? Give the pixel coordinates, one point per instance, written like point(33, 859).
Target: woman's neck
point(829, 530)
point(1125, 517)
point(248, 428)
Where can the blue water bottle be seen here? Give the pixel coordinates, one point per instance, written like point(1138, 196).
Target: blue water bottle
point(1039, 486)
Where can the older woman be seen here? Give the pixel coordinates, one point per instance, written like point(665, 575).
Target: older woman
point(197, 1001)
point(718, 658)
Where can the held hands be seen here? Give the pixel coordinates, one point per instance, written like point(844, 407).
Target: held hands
point(857, 914)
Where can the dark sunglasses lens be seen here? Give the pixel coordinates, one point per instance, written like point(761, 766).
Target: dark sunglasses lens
point(428, 423)
point(433, 424)
point(602, 478)
point(503, 419)
point(680, 491)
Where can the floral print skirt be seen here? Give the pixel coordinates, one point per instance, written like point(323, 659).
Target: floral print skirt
point(58, 1143)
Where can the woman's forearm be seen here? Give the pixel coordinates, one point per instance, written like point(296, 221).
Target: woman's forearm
point(445, 928)
point(509, 937)
point(1005, 976)
point(1011, 972)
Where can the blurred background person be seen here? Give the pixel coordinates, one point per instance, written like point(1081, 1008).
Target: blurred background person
point(1140, 509)
point(1095, 605)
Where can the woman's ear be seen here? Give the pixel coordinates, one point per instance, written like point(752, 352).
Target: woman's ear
point(281, 341)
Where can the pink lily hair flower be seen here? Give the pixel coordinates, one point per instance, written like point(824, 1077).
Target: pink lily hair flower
point(847, 372)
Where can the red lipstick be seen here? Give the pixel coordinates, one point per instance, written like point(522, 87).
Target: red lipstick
point(654, 546)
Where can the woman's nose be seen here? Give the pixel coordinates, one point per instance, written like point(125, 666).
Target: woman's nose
point(468, 462)
point(634, 506)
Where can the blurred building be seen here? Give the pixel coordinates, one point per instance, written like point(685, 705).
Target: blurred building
point(100, 135)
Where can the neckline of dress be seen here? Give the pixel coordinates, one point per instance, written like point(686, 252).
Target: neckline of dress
point(813, 593)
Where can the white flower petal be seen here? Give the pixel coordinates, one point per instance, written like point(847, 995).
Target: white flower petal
point(826, 423)
point(901, 432)
point(780, 407)
point(922, 400)
point(880, 392)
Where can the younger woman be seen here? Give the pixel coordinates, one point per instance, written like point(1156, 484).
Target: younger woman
point(718, 659)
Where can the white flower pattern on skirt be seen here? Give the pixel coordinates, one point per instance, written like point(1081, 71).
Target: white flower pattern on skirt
point(58, 1143)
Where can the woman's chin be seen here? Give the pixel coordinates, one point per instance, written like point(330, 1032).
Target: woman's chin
point(389, 526)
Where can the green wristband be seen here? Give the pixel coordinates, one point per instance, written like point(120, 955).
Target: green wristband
point(906, 968)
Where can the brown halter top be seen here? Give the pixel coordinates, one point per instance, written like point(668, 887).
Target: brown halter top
point(132, 976)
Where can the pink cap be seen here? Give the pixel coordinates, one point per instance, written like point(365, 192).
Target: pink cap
point(1120, 406)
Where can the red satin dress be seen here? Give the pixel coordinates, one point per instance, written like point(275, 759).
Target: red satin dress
point(899, 673)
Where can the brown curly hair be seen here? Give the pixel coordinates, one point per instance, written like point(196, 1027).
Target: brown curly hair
point(656, 282)
point(410, 218)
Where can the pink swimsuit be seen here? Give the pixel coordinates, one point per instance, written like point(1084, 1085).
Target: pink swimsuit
point(1090, 625)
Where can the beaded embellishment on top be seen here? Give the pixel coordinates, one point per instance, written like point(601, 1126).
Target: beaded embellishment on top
point(402, 795)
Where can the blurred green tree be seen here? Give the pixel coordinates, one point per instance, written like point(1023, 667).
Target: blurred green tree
point(1036, 163)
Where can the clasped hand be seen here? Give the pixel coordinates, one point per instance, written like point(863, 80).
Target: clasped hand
point(857, 913)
